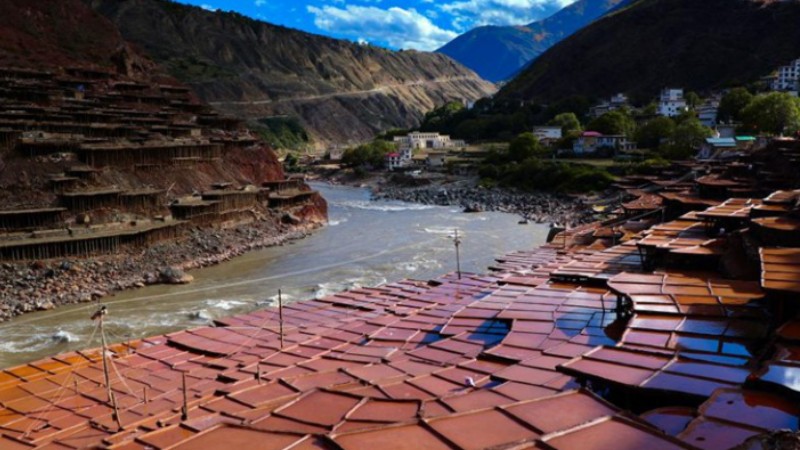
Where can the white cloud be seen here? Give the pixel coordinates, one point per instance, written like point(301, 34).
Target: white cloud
point(472, 13)
point(400, 28)
point(260, 3)
point(208, 7)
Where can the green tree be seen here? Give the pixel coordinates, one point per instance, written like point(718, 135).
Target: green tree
point(525, 146)
point(566, 142)
point(692, 99)
point(614, 122)
point(368, 155)
point(567, 121)
point(442, 116)
point(654, 132)
point(650, 110)
point(688, 137)
point(774, 113)
point(732, 104)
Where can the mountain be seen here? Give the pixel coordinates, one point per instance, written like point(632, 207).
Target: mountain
point(651, 44)
point(340, 91)
point(497, 53)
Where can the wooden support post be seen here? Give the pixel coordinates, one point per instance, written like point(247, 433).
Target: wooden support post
point(117, 418)
point(280, 315)
point(185, 408)
point(146, 401)
point(457, 243)
point(100, 314)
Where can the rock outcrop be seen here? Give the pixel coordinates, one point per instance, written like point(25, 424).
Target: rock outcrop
point(341, 91)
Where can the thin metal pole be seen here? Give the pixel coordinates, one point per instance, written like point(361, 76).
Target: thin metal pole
point(280, 315)
point(457, 243)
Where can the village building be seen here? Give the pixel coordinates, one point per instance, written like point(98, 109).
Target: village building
point(592, 142)
point(716, 146)
point(335, 153)
point(616, 102)
point(725, 130)
point(707, 113)
point(418, 142)
point(547, 133)
point(672, 103)
point(393, 161)
point(436, 159)
point(787, 78)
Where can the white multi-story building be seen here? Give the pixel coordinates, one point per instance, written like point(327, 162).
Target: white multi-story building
point(672, 103)
point(787, 78)
point(420, 140)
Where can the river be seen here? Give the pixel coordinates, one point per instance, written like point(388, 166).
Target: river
point(366, 243)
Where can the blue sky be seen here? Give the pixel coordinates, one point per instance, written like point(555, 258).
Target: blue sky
point(409, 24)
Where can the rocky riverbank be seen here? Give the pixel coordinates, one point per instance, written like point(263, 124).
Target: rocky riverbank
point(537, 207)
point(45, 285)
point(433, 188)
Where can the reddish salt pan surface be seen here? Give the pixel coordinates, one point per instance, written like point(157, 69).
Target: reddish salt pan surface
point(504, 360)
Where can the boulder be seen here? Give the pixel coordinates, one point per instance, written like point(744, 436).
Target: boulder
point(173, 275)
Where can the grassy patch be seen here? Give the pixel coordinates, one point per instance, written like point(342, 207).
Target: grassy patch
point(282, 132)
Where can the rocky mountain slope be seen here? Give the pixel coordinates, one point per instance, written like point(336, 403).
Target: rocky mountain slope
point(498, 53)
point(76, 48)
point(52, 33)
point(341, 91)
point(651, 44)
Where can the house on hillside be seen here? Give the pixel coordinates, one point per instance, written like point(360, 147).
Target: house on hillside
point(616, 102)
point(393, 161)
point(592, 143)
point(707, 113)
point(335, 153)
point(672, 103)
point(726, 130)
point(419, 140)
point(788, 78)
point(547, 132)
point(714, 147)
point(436, 159)
point(547, 135)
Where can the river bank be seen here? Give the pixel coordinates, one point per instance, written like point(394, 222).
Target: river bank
point(466, 193)
point(45, 285)
point(537, 207)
